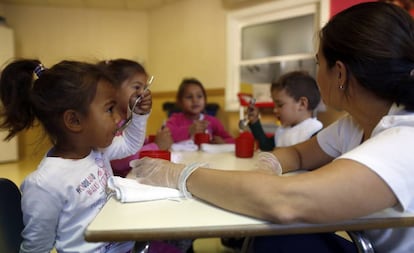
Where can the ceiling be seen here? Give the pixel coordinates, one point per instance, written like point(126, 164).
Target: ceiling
point(140, 5)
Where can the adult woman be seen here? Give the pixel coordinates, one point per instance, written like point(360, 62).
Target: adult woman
point(360, 164)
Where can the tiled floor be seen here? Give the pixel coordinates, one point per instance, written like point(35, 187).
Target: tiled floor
point(17, 171)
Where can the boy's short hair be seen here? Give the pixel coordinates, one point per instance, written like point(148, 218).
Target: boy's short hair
point(299, 84)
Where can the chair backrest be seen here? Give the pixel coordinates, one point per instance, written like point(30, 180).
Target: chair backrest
point(11, 217)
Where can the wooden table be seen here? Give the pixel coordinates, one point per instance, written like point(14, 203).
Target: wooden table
point(192, 218)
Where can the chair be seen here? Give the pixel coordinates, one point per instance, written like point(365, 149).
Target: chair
point(170, 108)
point(361, 241)
point(11, 217)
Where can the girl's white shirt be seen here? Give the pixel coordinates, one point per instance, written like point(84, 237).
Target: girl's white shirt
point(62, 196)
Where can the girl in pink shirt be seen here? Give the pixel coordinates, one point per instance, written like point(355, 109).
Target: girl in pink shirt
point(191, 99)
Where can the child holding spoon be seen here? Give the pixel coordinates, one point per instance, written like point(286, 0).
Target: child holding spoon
point(130, 76)
point(296, 96)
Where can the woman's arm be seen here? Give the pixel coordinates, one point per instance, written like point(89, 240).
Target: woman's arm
point(307, 155)
point(340, 190)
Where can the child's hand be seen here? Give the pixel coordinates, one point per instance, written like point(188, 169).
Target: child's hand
point(217, 140)
point(252, 114)
point(198, 126)
point(163, 139)
point(144, 106)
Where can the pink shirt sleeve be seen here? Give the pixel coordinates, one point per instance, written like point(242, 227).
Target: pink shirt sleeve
point(217, 129)
point(179, 125)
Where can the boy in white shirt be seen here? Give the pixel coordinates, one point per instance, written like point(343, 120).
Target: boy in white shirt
point(296, 96)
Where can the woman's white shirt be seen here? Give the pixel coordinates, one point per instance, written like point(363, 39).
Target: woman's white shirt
point(388, 152)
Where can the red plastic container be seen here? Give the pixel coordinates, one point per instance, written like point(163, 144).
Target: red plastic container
point(200, 138)
point(245, 145)
point(162, 154)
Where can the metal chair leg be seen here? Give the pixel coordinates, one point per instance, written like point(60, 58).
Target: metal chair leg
point(247, 244)
point(361, 242)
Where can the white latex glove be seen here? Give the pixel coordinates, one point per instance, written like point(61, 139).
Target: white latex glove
point(268, 163)
point(157, 172)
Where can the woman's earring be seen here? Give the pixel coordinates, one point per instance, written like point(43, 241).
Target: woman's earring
point(341, 87)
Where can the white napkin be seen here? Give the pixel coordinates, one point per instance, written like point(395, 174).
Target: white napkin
point(129, 190)
point(187, 145)
point(217, 148)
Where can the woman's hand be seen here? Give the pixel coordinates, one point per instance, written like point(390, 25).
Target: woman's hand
point(268, 163)
point(157, 172)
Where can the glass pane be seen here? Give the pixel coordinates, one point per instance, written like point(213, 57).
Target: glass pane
point(267, 73)
point(282, 37)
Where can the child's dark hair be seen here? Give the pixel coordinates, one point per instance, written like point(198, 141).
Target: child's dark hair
point(299, 84)
point(187, 82)
point(121, 69)
point(67, 85)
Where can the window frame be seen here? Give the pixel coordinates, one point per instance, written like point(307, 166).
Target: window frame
point(264, 13)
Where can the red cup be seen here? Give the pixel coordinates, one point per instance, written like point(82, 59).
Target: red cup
point(162, 154)
point(244, 146)
point(200, 138)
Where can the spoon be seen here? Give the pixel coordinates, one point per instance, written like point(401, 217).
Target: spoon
point(244, 122)
point(137, 101)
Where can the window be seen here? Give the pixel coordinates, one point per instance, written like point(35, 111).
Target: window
point(269, 40)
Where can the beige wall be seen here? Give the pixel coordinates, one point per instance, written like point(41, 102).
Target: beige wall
point(182, 39)
point(53, 34)
point(188, 39)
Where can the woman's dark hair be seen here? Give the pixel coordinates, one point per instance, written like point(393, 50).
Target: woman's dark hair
point(299, 84)
point(187, 82)
point(67, 85)
point(375, 42)
point(122, 69)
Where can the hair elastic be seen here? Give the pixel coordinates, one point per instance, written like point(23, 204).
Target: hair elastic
point(39, 70)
